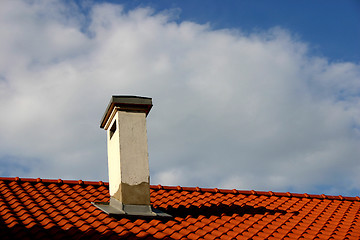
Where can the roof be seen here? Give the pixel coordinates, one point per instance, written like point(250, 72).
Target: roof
point(60, 209)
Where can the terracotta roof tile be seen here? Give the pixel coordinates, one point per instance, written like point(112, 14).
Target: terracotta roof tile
point(62, 209)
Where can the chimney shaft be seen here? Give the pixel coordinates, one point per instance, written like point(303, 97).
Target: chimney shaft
point(129, 180)
point(125, 122)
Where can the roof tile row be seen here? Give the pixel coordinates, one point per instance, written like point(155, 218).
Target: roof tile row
point(62, 209)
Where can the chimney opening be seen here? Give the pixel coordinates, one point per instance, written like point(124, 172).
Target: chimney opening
point(113, 129)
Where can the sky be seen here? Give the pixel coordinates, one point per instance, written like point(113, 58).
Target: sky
point(258, 95)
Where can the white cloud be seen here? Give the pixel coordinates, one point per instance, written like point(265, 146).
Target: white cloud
point(230, 110)
point(173, 177)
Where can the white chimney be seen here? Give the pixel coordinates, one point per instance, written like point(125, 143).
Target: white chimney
point(128, 164)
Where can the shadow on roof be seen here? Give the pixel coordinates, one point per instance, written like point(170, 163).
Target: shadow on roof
point(221, 210)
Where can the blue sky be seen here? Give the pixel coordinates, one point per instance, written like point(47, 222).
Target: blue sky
point(248, 95)
point(332, 28)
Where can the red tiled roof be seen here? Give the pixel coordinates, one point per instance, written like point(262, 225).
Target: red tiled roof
point(60, 209)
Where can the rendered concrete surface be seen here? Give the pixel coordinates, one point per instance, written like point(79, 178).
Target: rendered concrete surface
point(129, 176)
point(113, 146)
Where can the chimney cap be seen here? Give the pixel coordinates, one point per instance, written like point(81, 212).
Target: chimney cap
point(126, 102)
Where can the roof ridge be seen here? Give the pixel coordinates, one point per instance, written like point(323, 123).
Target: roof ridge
point(190, 189)
point(258, 193)
point(44, 180)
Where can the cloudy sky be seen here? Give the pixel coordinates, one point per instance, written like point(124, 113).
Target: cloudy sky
point(246, 95)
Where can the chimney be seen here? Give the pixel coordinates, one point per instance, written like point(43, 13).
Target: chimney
point(129, 178)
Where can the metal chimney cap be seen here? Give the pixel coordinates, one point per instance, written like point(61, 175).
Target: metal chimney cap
point(127, 103)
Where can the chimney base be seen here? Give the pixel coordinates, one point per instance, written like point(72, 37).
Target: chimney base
point(116, 208)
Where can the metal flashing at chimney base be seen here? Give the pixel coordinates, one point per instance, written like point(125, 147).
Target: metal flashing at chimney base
point(116, 208)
